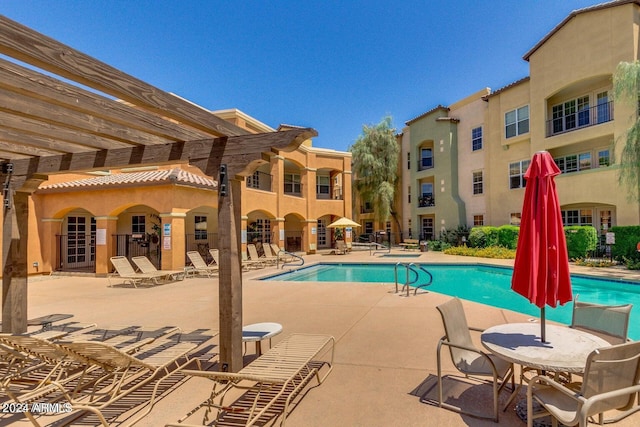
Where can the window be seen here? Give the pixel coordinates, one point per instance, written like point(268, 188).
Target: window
point(409, 194)
point(516, 122)
point(137, 224)
point(322, 233)
point(515, 218)
point(478, 220)
point(426, 197)
point(292, 183)
point(323, 186)
point(253, 181)
point(368, 227)
point(476, 139)
point(409, 161)
point(574, 162)
point(604, 112)
point(477, 183)
point(577, 217)
point(200, 223)
point(426, 158)
point(516, 174)
point(603, 158)
point(427, 229)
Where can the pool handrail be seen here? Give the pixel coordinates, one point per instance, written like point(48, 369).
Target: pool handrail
point(296, 258)
point(412, 267)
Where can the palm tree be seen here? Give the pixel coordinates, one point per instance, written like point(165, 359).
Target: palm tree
point(375, 163)
point(626, 88)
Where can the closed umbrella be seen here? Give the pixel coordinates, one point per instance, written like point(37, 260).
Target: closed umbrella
point(541, 269)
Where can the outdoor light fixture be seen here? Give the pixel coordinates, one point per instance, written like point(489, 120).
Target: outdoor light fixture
point(222, 189)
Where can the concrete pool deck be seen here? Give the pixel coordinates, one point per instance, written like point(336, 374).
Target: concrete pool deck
point(385, 343)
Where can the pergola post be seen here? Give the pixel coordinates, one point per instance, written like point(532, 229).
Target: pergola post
point(14, 262)
point(230, 274)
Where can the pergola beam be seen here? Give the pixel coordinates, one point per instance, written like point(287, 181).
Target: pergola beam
point(31, 47)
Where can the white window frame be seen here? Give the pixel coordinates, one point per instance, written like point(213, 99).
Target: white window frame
point(516, 122)
point(517, 170)
point(476, 138)
point(478, 182)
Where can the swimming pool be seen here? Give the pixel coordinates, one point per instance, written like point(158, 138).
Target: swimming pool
point(480, 283)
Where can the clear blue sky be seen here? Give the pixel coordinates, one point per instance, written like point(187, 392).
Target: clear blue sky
point(330, 65)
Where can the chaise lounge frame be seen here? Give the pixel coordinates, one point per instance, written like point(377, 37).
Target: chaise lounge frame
point(279, 374)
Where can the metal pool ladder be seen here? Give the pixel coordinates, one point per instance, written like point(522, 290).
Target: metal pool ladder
point(415, 270)
point(293, 258)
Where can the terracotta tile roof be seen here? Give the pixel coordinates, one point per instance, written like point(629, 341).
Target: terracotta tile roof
point(510, 85)
point(436, 108)
point(134, 179)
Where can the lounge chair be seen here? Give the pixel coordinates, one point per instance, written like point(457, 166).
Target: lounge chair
point(468, 359)
point(246, 263)
point(341, 248)
point(146, 266)
point(200, 265)
point(265, 387)
point(283, 255)
point(252, 263)
point(125, 270)
point(611, 381)
point(253, 255)
point(119, 374)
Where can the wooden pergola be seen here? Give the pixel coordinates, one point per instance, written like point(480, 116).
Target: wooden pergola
point(78, 114)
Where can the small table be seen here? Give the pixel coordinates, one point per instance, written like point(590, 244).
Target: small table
point(258, 332)
point(566, 349)
point(48, 320)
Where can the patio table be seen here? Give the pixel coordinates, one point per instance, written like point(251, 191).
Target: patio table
point(260, 331)
point(566, 349)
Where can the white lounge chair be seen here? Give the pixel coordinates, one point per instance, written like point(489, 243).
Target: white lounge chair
point(200, 265)
point(125, 270)
point(146, 266)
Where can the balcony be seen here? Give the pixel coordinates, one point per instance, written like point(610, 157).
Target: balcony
point(293, 188)
point(260, 181)
point(588, 117)
point(427, 200)
point(426, 163)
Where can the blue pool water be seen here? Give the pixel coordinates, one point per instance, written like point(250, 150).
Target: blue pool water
point(480, 283)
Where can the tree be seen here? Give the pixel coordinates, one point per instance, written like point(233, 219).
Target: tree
point(626, 88)
point(375, 164)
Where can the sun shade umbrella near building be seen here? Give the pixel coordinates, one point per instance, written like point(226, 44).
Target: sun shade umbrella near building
point(541, 269)
point(343, 223)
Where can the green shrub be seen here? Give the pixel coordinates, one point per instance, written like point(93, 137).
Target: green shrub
point(626, 240)
point(483, 237)
point(437, 245)
point(495, 252)
point(580, 240)
point(508, 236)
point(632, 264)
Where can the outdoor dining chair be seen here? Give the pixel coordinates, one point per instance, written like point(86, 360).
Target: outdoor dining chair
point(467, 358)
point(610, 382)
point(609, 322)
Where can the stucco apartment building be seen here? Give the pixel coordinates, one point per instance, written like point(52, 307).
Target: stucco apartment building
point(166, 210)
point(463, 165)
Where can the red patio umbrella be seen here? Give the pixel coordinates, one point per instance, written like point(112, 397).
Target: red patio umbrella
point(541, 269)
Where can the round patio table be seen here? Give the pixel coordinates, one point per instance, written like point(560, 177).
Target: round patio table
point(566, 349)
point(258, 332)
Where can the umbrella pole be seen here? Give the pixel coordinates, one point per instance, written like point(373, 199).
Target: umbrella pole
point(543, 326)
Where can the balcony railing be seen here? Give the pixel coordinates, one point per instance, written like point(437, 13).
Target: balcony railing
point(589, 117)
point(293, 189)
point(424, 164)
point(426, 201)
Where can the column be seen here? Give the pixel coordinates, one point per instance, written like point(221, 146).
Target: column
point(106, 228)
point(52, 227)
point(172, 240)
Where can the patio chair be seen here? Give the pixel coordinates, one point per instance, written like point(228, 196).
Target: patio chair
point(467, 359)
point(146, 266)
point(610, 382)
point(252, 263)
point(200, 265)
point(266, 387)
point(125, 270)
point(253, 255)
point(269, 254)
point(609, 322)
point(282, 255)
